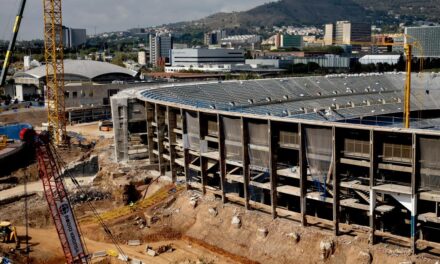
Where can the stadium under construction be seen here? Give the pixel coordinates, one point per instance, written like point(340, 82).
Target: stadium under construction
point(323, 149)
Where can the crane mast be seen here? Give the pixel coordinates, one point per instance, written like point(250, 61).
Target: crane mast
point(54, 56)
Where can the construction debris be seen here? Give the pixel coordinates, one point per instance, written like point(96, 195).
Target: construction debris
point(98, 254)
point(236, 222)
point(165, 248)
point(262, 232)
point(150, 251)
point(134, 243)
point(213, 211)
point(327, 248)
point(365, 257)
point(294, 237)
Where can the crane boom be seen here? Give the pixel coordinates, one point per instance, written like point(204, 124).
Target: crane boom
point(50, 172)
point(12, 42)
point(54, 56)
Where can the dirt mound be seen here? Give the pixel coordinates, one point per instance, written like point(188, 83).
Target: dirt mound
point(34, 116)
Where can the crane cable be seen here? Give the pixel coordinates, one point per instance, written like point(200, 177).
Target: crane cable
point(107, 230)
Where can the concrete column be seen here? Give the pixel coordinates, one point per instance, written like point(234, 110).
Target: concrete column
point(414, 195)
point(273, 147)
point(303, 174)
point(203, 131)
point(149, 110)
point(161, 127)
point(172, 124)
point(245, 158)
point(373, 164)
point(335, 161)
point(222, 153)
point(185, 148)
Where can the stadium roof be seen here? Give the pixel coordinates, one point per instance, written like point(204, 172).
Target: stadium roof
point(329, 98)
point(81, 69)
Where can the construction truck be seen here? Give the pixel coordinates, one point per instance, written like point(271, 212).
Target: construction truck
point(8, 233)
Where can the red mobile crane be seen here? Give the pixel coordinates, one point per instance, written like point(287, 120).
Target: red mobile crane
point(50, 171)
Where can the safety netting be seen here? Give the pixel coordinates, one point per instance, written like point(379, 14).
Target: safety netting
point(319, 151)
point(192, 137)
point(233, 143)
point(258, 147)
point(429, 163)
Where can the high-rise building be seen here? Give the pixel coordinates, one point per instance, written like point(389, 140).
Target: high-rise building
point(347, 33)
point(160, 49)
point(142, 57)
point(74, 37)
point(329, 34)
point(214, 37)
point(427, 37)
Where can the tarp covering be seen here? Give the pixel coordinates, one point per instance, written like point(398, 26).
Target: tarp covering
point(319, 151)
point(233, 143)
point(429, 163)
point(193, 131)
point(12, 131)
point(258, 146)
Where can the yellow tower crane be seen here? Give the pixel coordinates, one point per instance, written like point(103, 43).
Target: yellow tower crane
point(408, 48)
point(54, 56)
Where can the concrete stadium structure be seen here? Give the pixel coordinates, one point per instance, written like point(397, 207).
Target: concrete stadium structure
point(327, 150)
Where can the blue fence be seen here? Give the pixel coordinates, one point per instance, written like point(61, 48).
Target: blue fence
point(12, 131)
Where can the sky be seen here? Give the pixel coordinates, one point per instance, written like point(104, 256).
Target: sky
point(114, 15)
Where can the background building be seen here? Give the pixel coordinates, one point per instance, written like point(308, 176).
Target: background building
point(160, 49)
point(347, 33)
point(214, 37)
point(289, 41)
point(193, 57)
point(207, 60)
point(429, 39)
point(74, 37)
point(329, 34)
point(242, 42)
point(142, 57)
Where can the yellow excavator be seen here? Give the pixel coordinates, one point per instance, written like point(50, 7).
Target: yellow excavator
point(8, 233)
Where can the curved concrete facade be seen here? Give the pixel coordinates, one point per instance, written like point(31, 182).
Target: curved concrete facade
point(295, 152)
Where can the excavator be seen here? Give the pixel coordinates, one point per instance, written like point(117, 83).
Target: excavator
point(8, 234)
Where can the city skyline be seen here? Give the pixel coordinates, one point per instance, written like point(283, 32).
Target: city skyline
point(112, 15)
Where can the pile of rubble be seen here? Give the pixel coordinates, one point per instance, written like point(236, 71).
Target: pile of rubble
point(88, 195)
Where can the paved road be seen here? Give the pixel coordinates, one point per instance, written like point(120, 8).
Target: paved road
point(36, 187)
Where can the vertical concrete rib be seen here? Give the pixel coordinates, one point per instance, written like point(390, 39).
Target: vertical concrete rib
point(160, 123)
point(335, 160)
point(414, 195)
point(172, 124)
point(186, 158)
point(149, 110)
point(245, 158)
point(203, 130)
point(303, 174)
point(222, 154)
point(373, 162)
point(273, 147)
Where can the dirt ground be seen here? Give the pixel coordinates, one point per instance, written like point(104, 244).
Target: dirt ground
point(33, 116)
point(199, 234)
point(47, 250)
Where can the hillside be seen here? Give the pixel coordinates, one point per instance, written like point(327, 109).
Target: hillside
point(318, 12)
